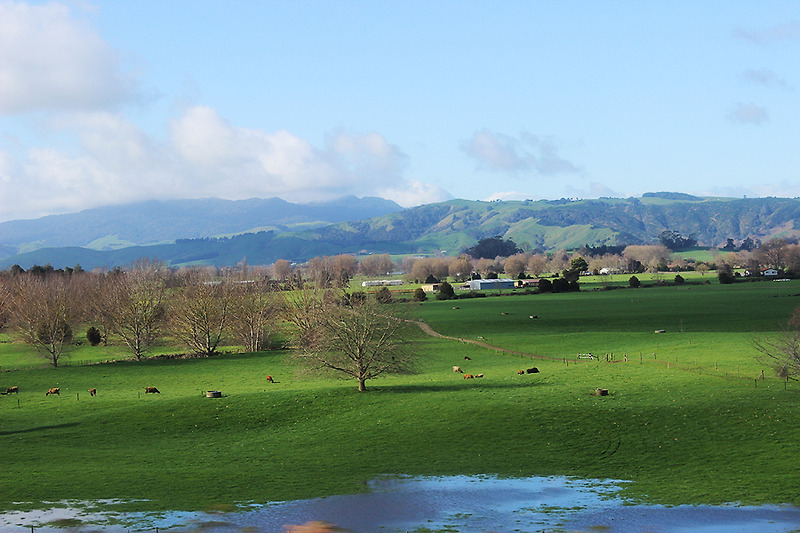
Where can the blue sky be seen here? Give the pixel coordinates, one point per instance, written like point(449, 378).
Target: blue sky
point(107, 102)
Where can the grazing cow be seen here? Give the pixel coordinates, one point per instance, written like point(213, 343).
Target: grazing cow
point(468, 376)
point(467, 358)
point(56, 390)
point(269, 379)
point(15, 390)
point(533, 370)
point(151, 390)
point(520, 372)
point(92, 392)
point(457, 369)
point(478, 375)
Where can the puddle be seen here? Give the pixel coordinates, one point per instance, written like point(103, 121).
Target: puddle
point(435, 504)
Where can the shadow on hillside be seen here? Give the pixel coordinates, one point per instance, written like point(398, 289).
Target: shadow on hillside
point(477, 383)
point(38, 428)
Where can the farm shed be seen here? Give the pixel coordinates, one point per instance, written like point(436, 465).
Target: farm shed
point(488, 284)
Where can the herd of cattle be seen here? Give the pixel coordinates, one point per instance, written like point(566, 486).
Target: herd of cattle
point(457, 369)
point(57, 391)
point(154, 390)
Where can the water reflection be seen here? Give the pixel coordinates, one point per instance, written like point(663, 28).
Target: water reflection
point(462, 504)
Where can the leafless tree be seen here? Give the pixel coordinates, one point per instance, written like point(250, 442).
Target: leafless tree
point(376, 265)
point(363, 341)
point(282, 269)
point(304, 309)
point(200, 312)
point(135, 304)
point(782, 351)
point(255, 308)
point(44, 311)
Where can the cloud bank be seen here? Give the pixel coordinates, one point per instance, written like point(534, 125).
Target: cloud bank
point(50, 60)
point(63, 81)
point(204, 156)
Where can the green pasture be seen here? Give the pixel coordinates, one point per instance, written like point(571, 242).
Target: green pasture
point(686, 420)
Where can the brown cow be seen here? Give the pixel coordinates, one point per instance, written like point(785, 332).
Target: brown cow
point(15, 390)
point(468, 376)
point(269, 379)
point(151, 390)
point(93, 392)
point(521, 372)
point(56, 390)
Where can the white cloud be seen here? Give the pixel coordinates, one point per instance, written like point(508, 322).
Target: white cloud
point(497, 152)
point(749, 114)
point(51, 60)
point(205, 156)
point(782, 32)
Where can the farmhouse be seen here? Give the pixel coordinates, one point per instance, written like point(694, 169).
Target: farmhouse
point(769, 272)
point(488, 284)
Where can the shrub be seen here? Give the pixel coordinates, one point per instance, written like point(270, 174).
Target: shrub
point(725, 277)
point(94, 336)
point(679, 279)
point(383, 295)
point(634, 282)
point(446, 292)
point(419, 295)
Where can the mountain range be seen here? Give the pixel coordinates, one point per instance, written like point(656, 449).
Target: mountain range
point(224, 232)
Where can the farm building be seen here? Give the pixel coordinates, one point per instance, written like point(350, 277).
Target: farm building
point(381, 283)
point(488, 284)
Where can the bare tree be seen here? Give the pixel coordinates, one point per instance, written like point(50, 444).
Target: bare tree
point(362, 341)
point(200, 312)
point(135, 305)
point(254, 309)
point(376, 265)
point(782, 351)
point(44, 311)
point(282, 269)
point(303, 309)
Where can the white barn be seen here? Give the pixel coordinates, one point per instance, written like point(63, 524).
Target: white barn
point(488, 284)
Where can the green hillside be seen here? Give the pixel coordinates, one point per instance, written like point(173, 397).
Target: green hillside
point(452, 226)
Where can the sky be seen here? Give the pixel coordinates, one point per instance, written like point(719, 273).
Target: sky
point(104, 102)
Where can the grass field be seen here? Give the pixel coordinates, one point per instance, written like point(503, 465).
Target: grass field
point(686, 419)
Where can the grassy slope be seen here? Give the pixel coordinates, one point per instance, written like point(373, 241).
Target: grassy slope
point(682, 435)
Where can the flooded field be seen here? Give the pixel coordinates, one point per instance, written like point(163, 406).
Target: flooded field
point(446, 504)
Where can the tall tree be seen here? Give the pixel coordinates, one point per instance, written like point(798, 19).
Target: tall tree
point(136, 305)
point(363, 341)
point(255, 308)
point(45, 310)
point(200, 313)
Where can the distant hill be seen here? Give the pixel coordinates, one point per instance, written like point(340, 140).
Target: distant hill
point(144, 223)
point(452, 226)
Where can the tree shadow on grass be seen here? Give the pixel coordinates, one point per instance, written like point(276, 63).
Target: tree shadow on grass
point(477, 383)
point(39, 428)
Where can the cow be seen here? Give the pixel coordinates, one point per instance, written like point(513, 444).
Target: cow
point(521, 372)
point(478, 375)
point(15, 390)
point(92, 392)
point(270, 380)
point(152, 390)
point(533, 370)
point(56, 390)
point(467, 358)
point(457, 369)
point(468, 376)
